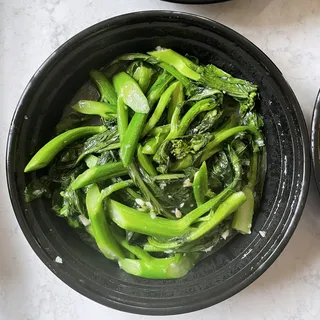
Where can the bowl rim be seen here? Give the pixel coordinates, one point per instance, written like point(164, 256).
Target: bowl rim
point(67, 278)
point(315, 140)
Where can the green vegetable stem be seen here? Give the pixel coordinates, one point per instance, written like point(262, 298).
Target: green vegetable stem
point(45, 155)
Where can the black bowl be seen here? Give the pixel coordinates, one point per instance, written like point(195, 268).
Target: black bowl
point(239, 262)
point(315, 140)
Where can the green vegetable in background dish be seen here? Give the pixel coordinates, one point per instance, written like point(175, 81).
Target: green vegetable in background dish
point(175, 167)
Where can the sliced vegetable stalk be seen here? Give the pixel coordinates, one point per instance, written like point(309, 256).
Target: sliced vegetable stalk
point(99, 173)
point(107, 92)
point(99, 226)
point(212, 147)
point(224, 210)
point(242, 219)
point(45, 155)
point(143, 75)
point(157, 113)
point(181, 63)
point(130, 92)
point(101, 109)
point(145, 162)
point(173, 267)
point(133, 133)
point(177, 99)
point(122, 118)
point(200, 184)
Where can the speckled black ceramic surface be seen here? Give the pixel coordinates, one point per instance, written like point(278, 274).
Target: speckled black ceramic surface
point(240, 261)
point(315, 140)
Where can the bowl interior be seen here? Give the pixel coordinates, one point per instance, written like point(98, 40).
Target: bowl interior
point(241, 260)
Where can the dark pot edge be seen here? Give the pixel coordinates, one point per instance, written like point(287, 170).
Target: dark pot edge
point(178, 309)
point(315, 140)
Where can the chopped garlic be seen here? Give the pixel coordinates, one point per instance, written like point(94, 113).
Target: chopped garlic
point(162, 185)
point(140, 202)
point(262, 234)
point(181, 205)
point(58, 259)
point(187, 183)
point(153, 215)
point(207, 249)
point(260, 142)
point(225, 234)
point(149, 205)
point(86, 222)
point(178, 213)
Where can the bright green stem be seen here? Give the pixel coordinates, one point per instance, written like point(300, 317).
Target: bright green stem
point(131, 138)
point(173, 267)
point(225, 209)
point(143, 76)
point(158, 88)
point(128, 89)
point(175, 176)
point(145, 162)
point(193, 112)
point(242, 219)
point(253, 172)
point(134, 220)
point(152, 144)
point(101, 109)
point(106, 192)
point(177, 99)
point(182, 164)
point(45, 155)
point(91, 160)
point(99, 226)
point(122, 118)
point(157, 113)
point(99, 173)
point(200, 184)
point(165, 129)
point(137, 123)
point(107, 93)
point(187, 84)
point(224, 135)
point(179, 62)
point(136, 250)
point(112, 146)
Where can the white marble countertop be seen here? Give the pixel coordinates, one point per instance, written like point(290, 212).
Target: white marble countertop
point(288, 31)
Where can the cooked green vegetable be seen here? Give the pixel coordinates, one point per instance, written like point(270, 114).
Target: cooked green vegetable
point(45, 155)
point(200, 184)
point(100, 228)
point(101, 109)
point(99, 173)
point(178, 162)
point(107, 92)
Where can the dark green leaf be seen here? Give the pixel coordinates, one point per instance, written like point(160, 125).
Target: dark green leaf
point(73, 120)
point(37, 188)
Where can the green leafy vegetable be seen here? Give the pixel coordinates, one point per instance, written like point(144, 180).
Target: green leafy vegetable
point(175, 167)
